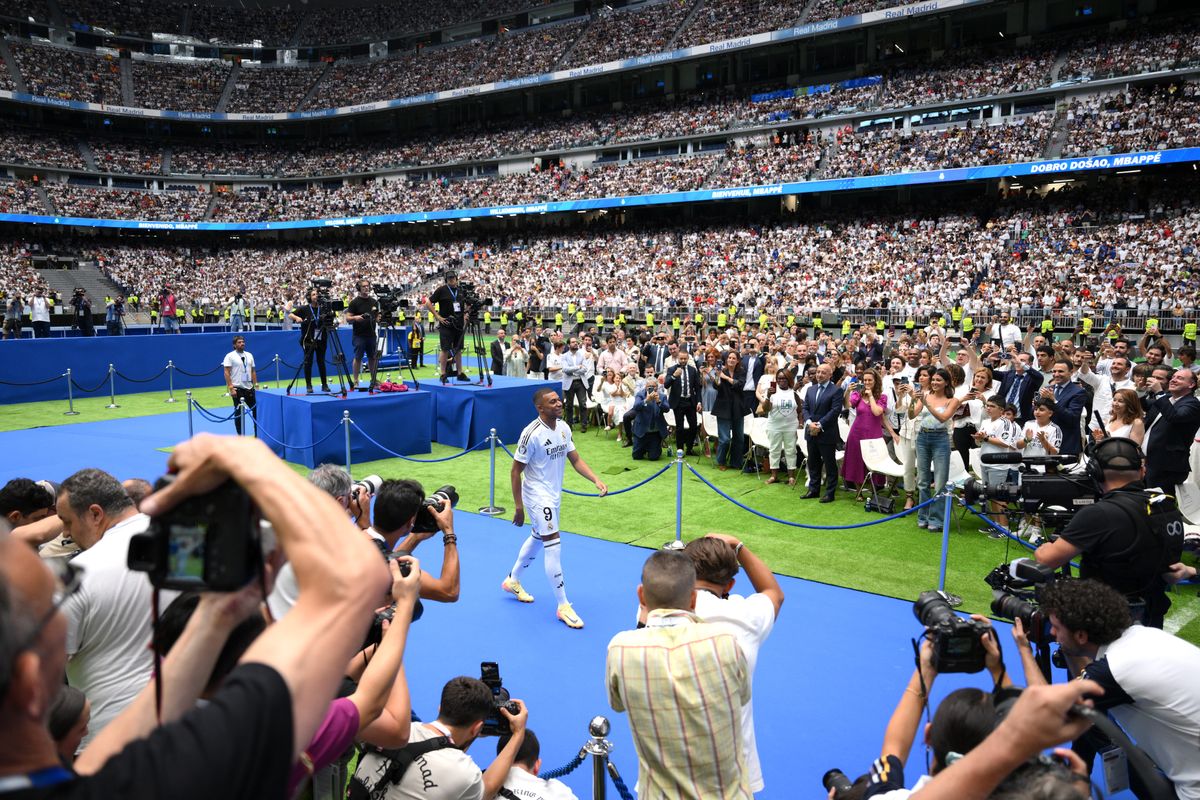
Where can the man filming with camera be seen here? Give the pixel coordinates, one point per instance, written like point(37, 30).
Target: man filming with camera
point(362, 314)
point(1130, 539)
point(83, 313)
point(451, 315)
point(313, 336)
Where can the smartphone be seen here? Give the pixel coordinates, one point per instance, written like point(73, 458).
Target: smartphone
point(904, 380)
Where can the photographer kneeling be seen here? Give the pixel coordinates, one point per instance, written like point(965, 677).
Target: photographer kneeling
point(1131, 538)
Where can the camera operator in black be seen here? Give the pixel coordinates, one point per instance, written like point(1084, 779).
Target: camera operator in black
point(83, 313)
point(363, 313)
point(1119, 544)
point(451, 316)
point(312, 338)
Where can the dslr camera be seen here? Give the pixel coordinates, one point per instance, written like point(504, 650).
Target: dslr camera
point(213, 542)
point(957, 642)
point(496, 724)
point(1014, 596)
point(425, 523)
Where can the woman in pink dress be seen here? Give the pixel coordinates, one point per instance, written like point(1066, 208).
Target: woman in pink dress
point(869, 404)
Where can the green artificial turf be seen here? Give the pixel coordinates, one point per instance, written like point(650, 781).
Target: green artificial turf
point(895, 558)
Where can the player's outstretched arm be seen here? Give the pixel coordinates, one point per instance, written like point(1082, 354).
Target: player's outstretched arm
point(583, 469)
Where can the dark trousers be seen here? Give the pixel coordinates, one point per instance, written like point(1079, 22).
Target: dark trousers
point(248, 396)
point(963, 440)
point(686, 410)
point(576, 393)
point(1165, 479)
point(648, 447)
point(114, 328)
point(822, 456)
point(41, 330)
point(317, 349)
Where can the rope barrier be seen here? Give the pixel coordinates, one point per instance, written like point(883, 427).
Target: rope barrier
point(622, 789)
point(1002, 529)
point(594, 494)
point(289, 366)
point(393, 453)
point(210, 415)
point(183, 371)
point(566, 769)
point(745, 507)
point(322, 440)
point(95, 388)
point(36, 383)
point(142, 380)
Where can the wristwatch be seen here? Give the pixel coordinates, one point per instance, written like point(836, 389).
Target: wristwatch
point(737, 550)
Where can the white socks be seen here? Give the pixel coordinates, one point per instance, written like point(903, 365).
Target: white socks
point(554, 570)
point(528, 554)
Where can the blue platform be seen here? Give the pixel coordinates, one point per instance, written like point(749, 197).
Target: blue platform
point(138, 360)
point(311, 425)
point(465, 412)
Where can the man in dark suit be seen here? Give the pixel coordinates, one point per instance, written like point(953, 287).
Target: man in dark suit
point(649, 427)
point(1019, 385)
point(654, 354)
point(683, 395)
point(822, 404)
point(1068, 406)
point(1171, 426)
point(499, 350)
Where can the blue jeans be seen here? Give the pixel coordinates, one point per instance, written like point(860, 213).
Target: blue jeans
point(933, 468)
point(237, 323)
point(729, 437)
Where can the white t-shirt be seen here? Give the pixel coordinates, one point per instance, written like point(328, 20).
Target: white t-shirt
point(751, 619)
point(1033, 445)
point(39, 309)
point(544, 452)
point(1000, 428)
point(527, 786)
point(782, 416)
point(108, 625)
point(241, 368)
point(448, 771)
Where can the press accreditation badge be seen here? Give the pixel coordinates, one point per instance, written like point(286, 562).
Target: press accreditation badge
point(457, 306)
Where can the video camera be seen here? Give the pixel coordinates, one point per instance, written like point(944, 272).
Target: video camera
point(472, 303)
point(1055, 497)
point(496, 723)
point(327, 307)
point(425, 523)
point(213, 542)
point(1014, 596)
point(957, 642)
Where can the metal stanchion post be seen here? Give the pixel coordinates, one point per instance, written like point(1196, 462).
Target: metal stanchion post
point(677, 542)
point(947, 512)
point(277, 370)
point(70, 412)
point(599, 748)
point(112, 387)
point(171, 382)
point(491, 509)
point(346, 422)
point(191, 428)
point(241, 412)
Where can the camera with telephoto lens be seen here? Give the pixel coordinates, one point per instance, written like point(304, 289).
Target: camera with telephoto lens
point(957, 642)
point(1015, 596)
point(840, 787)
point(213, 542)
point(375, 632)
point(496, 723)
point(371, 484)
point(425, 523)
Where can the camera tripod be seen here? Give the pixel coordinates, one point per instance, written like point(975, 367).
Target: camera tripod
point(475, 329)
point(309, 345)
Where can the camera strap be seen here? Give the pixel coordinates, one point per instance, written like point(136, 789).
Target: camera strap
point(398, 762)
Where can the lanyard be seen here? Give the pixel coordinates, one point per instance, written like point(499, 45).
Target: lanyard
point(453, 293)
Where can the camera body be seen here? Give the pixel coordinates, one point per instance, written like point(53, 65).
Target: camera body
point(371, 484)
point(1055, 497)
point(1014, 596)
point(212, 542)
point(957, 642)
point(496, 724)
point(425, 523)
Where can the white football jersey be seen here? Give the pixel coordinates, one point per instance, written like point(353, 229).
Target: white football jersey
point(543, 451)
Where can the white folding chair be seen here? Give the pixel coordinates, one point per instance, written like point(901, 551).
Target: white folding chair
point(958, 472)
point(878, 462)
point(593, 404)
point(977, 462)
point(747, 427)
point(709, 422)
point(758, 438)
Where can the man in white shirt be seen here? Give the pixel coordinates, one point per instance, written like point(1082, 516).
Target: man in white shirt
point(717, 557)
point(108, 619)
point(241, 378)
point(1006, 331)
point(39, 314)
point(523, 780)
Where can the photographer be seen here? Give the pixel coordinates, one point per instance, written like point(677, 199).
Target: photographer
point(523, 781)
point(962, 721)
point(167, 308)
point(362, 314)
point(444, 770)
point(313, 337)
point(243, 743)
point(451, 316)
point(1124, 537)
point(649, 425)
point(83, 313)
point(237, 312)
point(114, 316)
point(1150, 678)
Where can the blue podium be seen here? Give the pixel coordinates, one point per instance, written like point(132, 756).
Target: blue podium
point(307, 429)
point(464, 413)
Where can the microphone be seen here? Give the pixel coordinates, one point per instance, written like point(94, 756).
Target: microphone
point(1013, 457)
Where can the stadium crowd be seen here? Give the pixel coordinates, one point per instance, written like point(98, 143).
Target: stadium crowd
point(68, 74)
point(24, 146)
point(617, 35)
point(20, 197)
point(194, 86)
point(172, 204)
point(271, 89)
point(126, 157)
point(733, 18)
point(1140, 118)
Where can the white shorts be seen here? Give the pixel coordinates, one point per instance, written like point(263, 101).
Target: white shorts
point(544, 519)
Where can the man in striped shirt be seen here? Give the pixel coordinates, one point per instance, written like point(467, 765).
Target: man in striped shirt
point(683, 683)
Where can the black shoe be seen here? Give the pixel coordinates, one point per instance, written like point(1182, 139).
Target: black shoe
point(308, 390)
point(445, 379)
point(827, 498)
point(809, 495)
point(324, 389)
point(464, 377)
